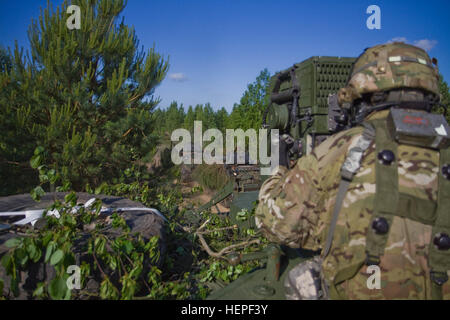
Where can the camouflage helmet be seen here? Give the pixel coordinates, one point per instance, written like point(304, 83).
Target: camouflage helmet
point(389, 67)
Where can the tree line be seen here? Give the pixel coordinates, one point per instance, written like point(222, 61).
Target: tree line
point(245, 115)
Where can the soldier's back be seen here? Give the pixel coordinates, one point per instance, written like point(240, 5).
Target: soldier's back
point(390, 227)
point(404, 207)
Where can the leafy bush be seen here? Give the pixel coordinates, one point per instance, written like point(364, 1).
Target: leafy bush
point(121, 260)
point(212, 177)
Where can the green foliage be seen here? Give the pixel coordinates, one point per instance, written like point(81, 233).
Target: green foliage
point(212, 177)
point(5, 60)
point(248, 113)
point(243, 215)
point(85, 96)
point(220, 233)
point(189, 119)
point(175, 117)
point(120, 261)
point(445, 98)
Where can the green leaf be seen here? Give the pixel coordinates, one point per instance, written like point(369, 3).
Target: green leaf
point(2, 284)
point(128, 246)
point(108, 290)
point(37, 193)
point(38, 150)
point(100, 244)
point(56, 257)
point(22, 256)
point(35, 161)
point(14, 242)
point(71, 198)
point(46, 239)
point(37, 255)
point(14, 286)
point(66, 186)
point(52, 176)
point(7, 263)
point(101, 188)
point(43, 178)
point(39, 290)
point(58, 288)
point(50, 248)
point(136, 272)
point(31, 249)
point(113, 263)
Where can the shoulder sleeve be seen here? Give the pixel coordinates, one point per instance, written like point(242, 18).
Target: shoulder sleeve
point(287, 212)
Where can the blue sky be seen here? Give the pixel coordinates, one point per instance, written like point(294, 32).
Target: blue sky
point(217, 47)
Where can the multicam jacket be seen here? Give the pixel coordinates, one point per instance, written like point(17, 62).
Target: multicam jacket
point(295, 209)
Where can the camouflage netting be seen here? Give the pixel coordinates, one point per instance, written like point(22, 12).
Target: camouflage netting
point(144, 223)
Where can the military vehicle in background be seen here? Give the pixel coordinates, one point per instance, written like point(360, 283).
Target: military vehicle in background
point(303, 106)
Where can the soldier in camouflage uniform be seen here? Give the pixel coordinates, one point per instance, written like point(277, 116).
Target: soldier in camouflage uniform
point(393, 209)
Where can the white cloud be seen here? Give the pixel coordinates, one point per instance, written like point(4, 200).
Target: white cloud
point(178, 77)
point(398, 39)
point(425, 44)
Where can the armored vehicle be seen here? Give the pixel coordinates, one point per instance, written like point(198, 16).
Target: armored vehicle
point(303, 106)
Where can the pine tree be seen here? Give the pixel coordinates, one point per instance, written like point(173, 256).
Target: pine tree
point(248, 113)
point(189, 119)
point(85, 95)
point(5, 60)
point(208, 117)
point(174, 117)
point(221, 119)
